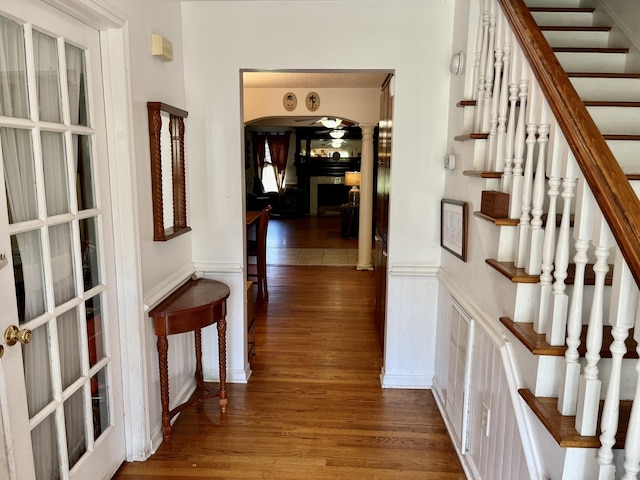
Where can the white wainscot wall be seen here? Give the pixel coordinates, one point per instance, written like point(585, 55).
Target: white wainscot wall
point(492, 447)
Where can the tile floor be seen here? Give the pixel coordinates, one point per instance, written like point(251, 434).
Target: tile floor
point(312, 256)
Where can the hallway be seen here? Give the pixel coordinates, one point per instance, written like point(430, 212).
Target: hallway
point(313, 408)
point(309, 240)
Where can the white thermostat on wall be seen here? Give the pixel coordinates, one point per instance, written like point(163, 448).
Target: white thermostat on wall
point(450, 161)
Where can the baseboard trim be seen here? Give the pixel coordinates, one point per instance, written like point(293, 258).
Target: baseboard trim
point(417, 382)
point(468, 467)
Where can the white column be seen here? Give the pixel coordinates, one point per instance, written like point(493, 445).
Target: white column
point(366, 200)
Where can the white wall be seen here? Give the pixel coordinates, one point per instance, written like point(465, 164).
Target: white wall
point(361, 105)
point(162, 264)
point(410, 37)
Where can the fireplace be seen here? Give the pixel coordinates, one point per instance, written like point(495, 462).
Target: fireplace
point(326, 193)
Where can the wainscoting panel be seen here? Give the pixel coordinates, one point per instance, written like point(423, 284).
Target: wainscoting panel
point(493, 449)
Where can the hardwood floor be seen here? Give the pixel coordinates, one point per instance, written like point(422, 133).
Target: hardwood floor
point(307, 232)
point(313, 408)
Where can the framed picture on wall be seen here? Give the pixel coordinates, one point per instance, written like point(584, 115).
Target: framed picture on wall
point(453, 227)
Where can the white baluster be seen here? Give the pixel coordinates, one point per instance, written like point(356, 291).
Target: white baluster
point(624, 301)
point(632, 441)
point(495, 96)
point(518, 152)
point(479, 41)
point(534, 265)
point(488, 76)
point(482, 69)
point(512, 121)
point(589, 386)
point(503, 106)
point(548, 253)
point(522, 247)
point(556, 328)
point(582, 233)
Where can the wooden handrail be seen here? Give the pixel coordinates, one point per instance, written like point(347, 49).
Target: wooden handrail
point(611, 189)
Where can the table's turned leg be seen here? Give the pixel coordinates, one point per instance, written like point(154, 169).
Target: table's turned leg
point(199, 374)
point(222, 360)
point(163, 348)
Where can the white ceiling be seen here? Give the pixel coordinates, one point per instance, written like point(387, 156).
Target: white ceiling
point(325, 79)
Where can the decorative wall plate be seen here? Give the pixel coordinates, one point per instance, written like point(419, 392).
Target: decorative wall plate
point(290, 101)
point(313, 101)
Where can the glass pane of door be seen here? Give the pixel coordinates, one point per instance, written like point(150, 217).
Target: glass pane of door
point(49, 160)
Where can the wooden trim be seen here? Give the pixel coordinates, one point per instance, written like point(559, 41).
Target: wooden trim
point(611, 189)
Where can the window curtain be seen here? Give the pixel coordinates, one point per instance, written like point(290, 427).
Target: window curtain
point(279, 151)
point(19, 177)
point(260, 152)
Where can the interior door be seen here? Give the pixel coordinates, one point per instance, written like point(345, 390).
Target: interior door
point(383, 185)
point(60, 385)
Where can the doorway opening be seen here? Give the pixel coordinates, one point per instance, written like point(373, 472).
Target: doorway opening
point(310, 224)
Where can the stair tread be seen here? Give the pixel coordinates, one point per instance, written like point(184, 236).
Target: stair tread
point(518, 275)
point(605, 103)
point(572, 28)
point(513, 222)
point(471, 136)
point(500, 222)
point(563, 9)
point(482, 174)
point(537, 344)
point(603, 75)
point(466, 103)
point(513, 273)
point(590, 49)
point(562, 428)
point(610, 136)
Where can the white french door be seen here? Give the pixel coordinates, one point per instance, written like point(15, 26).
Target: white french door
point(60, 386)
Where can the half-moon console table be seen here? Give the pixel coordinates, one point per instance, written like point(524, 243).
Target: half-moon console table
point(191, 307)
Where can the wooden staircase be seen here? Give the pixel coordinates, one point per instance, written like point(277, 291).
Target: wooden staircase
point(597, 68)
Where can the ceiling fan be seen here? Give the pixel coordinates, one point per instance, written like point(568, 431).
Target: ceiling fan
point(331, 123)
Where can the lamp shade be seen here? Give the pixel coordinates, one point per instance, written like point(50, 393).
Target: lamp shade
point(352, 179)
point(331, 122)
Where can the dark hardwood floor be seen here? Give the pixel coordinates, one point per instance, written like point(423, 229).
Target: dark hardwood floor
point(307, 232)
point(313, 408)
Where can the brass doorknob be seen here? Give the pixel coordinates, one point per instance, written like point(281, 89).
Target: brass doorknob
point(13, 334)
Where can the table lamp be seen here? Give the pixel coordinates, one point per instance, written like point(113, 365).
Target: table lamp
point(352, 179)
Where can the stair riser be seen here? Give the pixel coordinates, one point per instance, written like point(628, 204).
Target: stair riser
point(591, 62)
point(542, 374)
point(627, 152)
point(607, 89)
point(565, 19)
point(577, 39)
point(616, 120)
point(530, 313)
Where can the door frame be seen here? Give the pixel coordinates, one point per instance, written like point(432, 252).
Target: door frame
point(114, 50)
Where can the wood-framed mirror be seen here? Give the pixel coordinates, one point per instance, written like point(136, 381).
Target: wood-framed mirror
point(168, 185)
